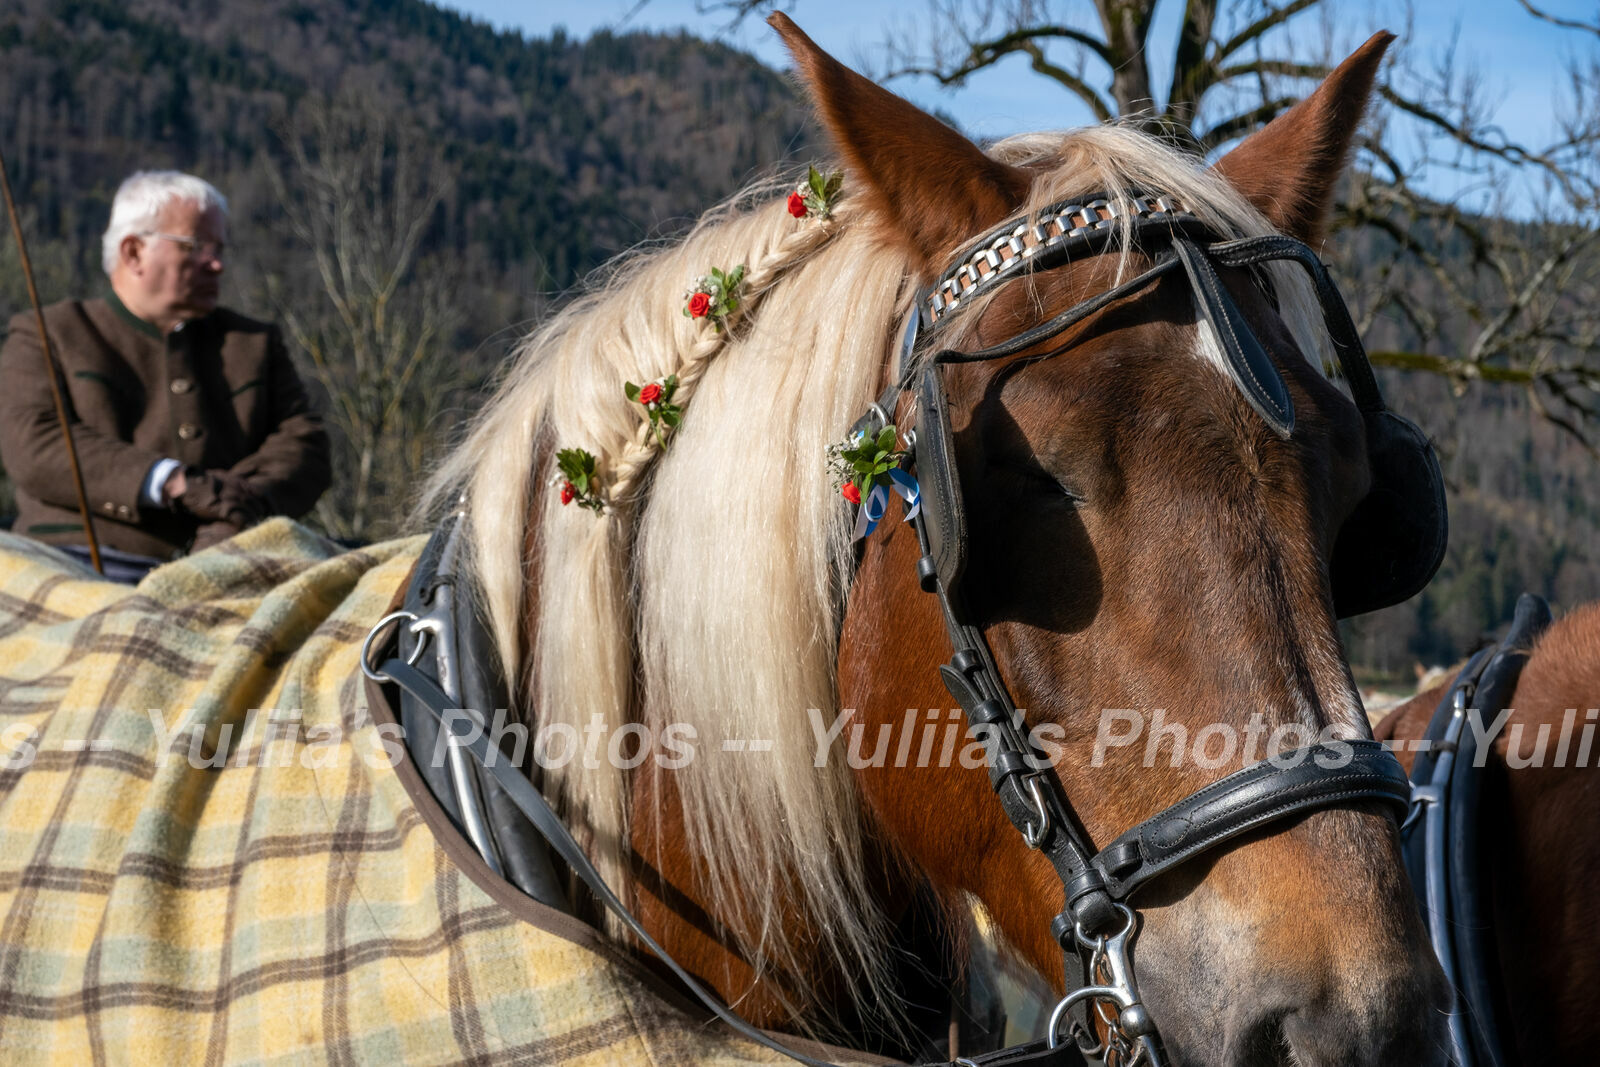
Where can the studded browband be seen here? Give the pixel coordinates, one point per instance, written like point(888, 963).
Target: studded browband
point(1012, 248)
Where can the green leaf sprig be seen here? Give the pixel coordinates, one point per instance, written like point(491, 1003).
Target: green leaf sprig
point(578, 481)
point(656, 397)
point(816, 195)
point(865, 461)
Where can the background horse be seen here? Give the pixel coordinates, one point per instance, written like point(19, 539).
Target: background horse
point(1142, 540)
point(1539, 861)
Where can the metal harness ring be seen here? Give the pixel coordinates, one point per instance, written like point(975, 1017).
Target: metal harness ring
point(366, 646)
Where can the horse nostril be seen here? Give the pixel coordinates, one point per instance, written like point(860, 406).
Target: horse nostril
point(1405, 1027)
point(1264, 1043)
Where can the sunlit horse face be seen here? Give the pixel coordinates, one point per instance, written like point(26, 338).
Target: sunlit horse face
point(1141, 540)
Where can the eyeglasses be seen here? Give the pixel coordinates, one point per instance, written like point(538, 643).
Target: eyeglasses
point(201, 250)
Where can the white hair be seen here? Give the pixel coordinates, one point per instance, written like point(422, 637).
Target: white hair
point(138, 204)
point(711, 593)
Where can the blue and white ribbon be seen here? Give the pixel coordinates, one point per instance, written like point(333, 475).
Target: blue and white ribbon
point(877, 502)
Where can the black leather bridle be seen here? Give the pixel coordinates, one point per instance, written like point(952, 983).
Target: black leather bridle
point(1096, 923)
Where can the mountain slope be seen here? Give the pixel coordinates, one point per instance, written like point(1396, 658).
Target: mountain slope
point(562, 152)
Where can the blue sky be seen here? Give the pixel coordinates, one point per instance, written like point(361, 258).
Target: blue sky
point(1518, 57)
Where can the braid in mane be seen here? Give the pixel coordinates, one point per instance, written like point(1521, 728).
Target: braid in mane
point(596, 804)
point(629, 468)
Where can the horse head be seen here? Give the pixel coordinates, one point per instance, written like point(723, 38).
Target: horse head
point(1150, 560)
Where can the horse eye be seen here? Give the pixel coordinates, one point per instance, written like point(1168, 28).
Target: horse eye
point(1033, 479)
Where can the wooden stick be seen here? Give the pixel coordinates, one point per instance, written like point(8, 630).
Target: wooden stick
point(50, 370)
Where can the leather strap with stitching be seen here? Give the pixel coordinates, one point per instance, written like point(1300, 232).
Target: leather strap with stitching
point(1331, 774)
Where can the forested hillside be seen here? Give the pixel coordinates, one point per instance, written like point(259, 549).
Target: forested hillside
point(525, 164)
point(560, 153)
point(459, 177)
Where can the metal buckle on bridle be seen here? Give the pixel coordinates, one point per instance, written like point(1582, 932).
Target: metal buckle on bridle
point(1034, 834)
point(1424, 796)
point(1130, 1032)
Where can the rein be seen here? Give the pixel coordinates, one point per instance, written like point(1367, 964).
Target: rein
point(1096, 925)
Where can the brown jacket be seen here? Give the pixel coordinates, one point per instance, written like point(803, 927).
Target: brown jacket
point(217, 393)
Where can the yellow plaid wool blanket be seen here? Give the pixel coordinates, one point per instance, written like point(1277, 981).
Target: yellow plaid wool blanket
point(207, 853)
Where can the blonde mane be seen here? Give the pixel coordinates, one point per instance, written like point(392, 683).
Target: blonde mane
point(712, 596)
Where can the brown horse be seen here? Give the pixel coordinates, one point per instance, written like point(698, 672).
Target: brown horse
point(1139, 539)
point(1537, 790)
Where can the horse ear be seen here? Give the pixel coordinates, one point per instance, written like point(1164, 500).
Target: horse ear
point(930, 187)
point(1288, 168)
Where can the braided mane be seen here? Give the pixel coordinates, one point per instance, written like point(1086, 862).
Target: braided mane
point(707, 592)
point(627, 471)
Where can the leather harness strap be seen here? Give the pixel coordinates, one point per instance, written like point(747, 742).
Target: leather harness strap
point(470, 732)
point(1440, 842)
point(1278, 787)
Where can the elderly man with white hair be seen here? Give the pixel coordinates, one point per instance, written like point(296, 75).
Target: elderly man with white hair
point(189, 420)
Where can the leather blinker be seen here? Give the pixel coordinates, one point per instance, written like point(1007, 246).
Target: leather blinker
point(1248, 364)
point(939, 479)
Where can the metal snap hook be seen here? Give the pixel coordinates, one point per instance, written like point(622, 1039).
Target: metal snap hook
point(1098, 943)
point(1115, 996)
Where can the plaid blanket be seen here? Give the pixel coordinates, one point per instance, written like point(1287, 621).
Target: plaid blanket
point(205, 854)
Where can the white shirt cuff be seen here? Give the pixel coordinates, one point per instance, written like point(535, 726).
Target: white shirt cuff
point(150, 494)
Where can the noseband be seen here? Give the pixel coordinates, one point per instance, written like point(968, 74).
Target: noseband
point(1096, 924)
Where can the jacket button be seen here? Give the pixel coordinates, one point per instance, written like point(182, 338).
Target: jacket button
point(110, 508)
point(124, 512)
point(181, 385)
point(189, 431)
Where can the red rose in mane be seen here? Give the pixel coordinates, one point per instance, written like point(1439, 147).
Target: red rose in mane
point(797, 205)
point(851, 493)
point(569, 493)
point(699, 304)
point(652, 392)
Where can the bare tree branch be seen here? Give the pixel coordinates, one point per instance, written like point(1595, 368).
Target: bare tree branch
point(1566, 24)
point(1274, 18)
point(360, 193)
point(1464, 134)
point(1274, 66)
point(1487, 337)
point(1192, 72)
point(1102, 112)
